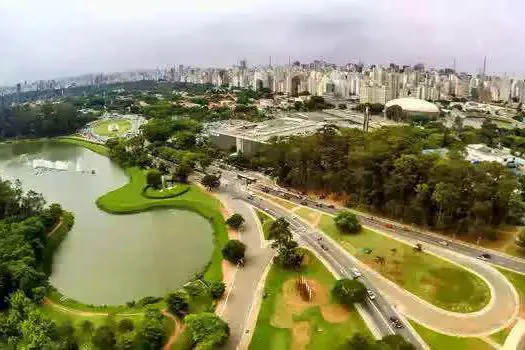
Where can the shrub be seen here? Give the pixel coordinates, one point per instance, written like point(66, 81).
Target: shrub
point(177, 303)
point(235, 221)
point(234, 251)
point(347, 222)
point(207, 330)
point(126, 325)
point(217, 289)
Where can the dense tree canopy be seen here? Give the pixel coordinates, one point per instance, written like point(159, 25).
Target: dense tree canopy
point(207, 330)
point(234, 251)
point(235, 221)
point(41, 121)
point(288, 254)
point(347, 222)
point(385, 171)
point(348, 292)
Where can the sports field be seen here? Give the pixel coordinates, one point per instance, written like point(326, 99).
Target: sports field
point(114, 127)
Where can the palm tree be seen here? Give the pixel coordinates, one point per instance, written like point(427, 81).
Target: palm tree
point(380, 260)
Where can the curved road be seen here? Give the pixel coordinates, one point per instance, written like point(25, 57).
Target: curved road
point(502, 309)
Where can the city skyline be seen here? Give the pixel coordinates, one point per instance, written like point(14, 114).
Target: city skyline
point(59, 38)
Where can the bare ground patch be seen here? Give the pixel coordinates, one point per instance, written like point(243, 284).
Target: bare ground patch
point(334, 313)
point(301, 334)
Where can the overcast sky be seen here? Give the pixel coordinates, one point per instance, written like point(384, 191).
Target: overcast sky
point(41, 39)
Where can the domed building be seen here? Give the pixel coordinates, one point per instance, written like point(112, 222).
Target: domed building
point(411, 109)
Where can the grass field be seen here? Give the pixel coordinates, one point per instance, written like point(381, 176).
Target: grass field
point(433, 279)
point(285, 321)
point(309, 215)
point(75, 140)
point(438, 341)
point(171, 192)
point(282, 202)
point(102, 127)
point(266, 222)
point(129, 199)
point(518, 280)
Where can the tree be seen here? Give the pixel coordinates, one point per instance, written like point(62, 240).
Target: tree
point(151, 335)
point(211, 181)
point(87, 327)
point(217, 289)
point(66, 336)
point(55, 210)
point(348, 292)
point(289, 256)
point(154, 178)
point(177, 303)
point(104, 338)
point(234, 251)
point(347, 222)
point(358, 342)
point(235, 221)
point(207, 330)
point(520, 240)
point(418, 248)
point(183, 170)
point(395, 342)
point(126, 325)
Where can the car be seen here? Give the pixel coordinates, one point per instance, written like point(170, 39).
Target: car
point(250, 196)
point(444, 243)
point(396, 322)
point(304, 202)
point(371, 294)
point(266, 189)
point(331, 206)
point(319, 205)
point(319, 238)
point(484, 257)
point(324, 247)
point(355, 272)
point(390, 226)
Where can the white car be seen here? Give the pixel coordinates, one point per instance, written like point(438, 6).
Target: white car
point(444, 243)
point(371, 294)
point(355, 272)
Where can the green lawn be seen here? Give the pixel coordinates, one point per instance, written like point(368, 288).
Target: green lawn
point(282, 202)
point(308, 214)
point(518, 280)
point(324, 335)
point(102, 127)
point(501, 336)
point(95, 147)
point(438, 341)
point(266, 222)
point(433, 279)
point(129, 199)
point(170, 192)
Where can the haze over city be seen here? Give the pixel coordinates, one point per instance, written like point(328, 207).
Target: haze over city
point(57, 38)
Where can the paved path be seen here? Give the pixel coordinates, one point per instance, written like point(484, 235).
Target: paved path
point(516, 338)
point(236, 309)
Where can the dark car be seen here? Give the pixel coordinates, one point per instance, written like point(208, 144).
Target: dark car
point(320, 205)
point(331, 206)
point(304, 203)
point(484, 257)
point(266, 189)
point(396, 322)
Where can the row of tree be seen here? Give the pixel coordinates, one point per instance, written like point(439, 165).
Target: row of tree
point(386, 171)
point(41, 120)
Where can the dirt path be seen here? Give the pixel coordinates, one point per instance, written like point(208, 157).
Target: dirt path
point(177, 330)
point(60, 222)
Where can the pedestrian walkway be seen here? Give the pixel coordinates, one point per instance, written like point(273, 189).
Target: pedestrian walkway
point(241, 292)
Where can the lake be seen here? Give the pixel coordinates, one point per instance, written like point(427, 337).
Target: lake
point(108, 259)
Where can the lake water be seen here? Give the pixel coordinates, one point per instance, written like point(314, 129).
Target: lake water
point(108, 259)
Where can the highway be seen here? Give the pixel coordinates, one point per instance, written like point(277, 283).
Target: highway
point(496, 258)
point(380, 308)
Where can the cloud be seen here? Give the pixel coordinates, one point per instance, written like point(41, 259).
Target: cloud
point(54, 38)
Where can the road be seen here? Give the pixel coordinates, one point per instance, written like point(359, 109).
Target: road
point(240, 296)
point(381, 309)
point(496, 258)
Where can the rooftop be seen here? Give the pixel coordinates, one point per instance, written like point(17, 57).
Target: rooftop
point(412, 104)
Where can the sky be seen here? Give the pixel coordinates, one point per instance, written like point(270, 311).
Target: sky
point(45, 39)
